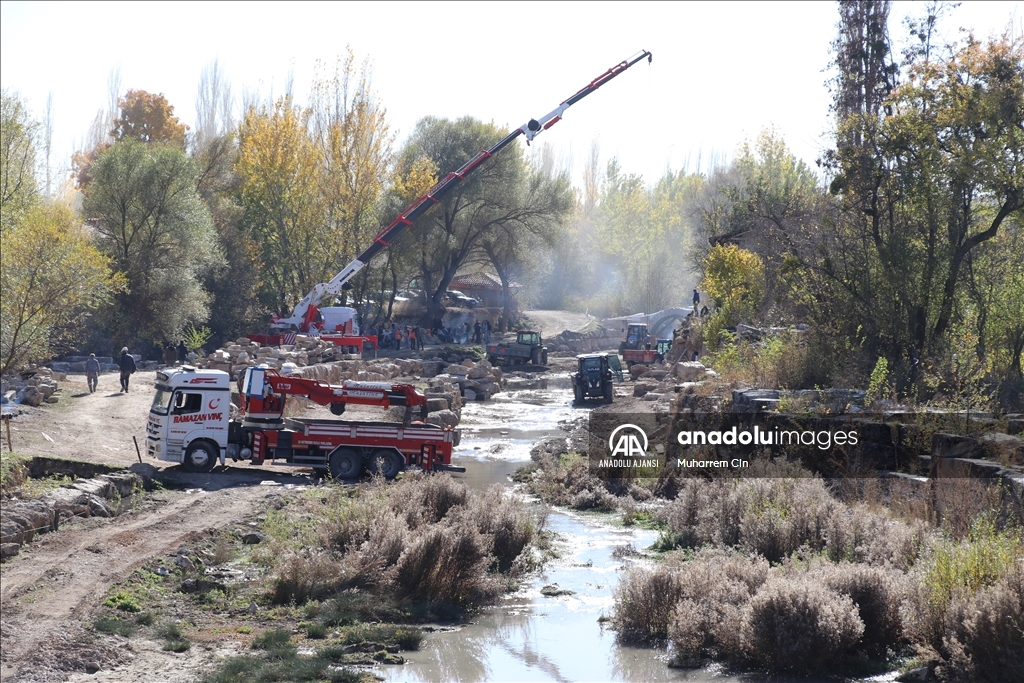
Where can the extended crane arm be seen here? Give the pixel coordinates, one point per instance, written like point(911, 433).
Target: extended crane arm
point(421, 205)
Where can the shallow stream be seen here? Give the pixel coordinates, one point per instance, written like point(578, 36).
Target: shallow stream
point(528, 636)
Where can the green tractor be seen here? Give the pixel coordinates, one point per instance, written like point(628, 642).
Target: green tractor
point(661, 350)
point(593, 378)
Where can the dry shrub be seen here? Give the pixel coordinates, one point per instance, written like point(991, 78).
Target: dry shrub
point(775, 517)
point(703, 513)
point(346, 516)
point(445, 565)
point(858, 534)
point(795, 624)
point(781, 515)
point(385, 542)
point(508, 523)
point(302, 576)
point(427, 499)
point(568, 481)
point(960, 501)
point(644, 601)
point(877, 592)
point(984, 634)
point(426, 539)
point(716, 586)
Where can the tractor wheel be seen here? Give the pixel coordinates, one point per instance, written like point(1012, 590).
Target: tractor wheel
point(493, 360)
point(200, 457)
point(544, 357)
point(577, 392)
point(659, 358)
point(609, 393)
point(535, 356)
point(622, 347)
point(345, 464)
point(385, 463)
point(337, 408)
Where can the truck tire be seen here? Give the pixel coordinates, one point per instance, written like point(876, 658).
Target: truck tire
point(493, 360)
point(577, 392)
point(386, 463)
point(544, 357)
point(609, 393)
point(337, 408)
point(345, 464)
point(200, 457)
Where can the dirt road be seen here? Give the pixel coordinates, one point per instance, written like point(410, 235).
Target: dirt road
point(49, 590)
point(551, 323)
point(90, 427)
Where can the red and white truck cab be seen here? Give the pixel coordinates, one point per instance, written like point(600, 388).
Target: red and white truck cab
point(191, 407)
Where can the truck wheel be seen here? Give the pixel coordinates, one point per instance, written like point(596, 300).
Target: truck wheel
point(345, 464)
point(493, 360)
point(386, 463)
point(544, 357)
point(200, 457)
point(337, 408)
point(609, 393)
point(577, 393)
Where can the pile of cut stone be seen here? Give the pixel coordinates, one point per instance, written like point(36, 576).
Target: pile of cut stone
point(38, 388)
point(477, 380)
point(235, 358)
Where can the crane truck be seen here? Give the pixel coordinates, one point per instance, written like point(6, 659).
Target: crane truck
point(307, 317)
point(192, 422)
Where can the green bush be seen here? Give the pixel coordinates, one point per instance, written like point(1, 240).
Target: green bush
point(123, 601)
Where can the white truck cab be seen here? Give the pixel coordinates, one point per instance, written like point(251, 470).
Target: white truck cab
point(190, 416)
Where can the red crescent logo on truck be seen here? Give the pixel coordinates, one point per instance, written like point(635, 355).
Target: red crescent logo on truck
point(214, 403)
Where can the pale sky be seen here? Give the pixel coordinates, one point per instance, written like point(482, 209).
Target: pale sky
point(721, 72)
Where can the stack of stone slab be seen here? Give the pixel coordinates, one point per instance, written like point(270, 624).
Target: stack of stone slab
point(477, 380)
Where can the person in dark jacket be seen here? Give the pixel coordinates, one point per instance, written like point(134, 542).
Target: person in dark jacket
point(127, 365)
point(182, 352)
point(170, 355)
point(92, 372)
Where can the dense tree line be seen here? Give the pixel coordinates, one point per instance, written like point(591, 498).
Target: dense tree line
point(904, 244)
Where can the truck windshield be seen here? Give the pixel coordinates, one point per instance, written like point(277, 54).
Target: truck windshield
point(162, 400)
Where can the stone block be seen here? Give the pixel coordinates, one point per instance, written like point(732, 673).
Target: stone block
point(95, 487)
point(689, 371)
point(437, 404)
point(954, 446)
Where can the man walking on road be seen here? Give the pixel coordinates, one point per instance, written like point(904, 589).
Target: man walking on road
point(92, 372)
point(127, 365)
point(696, 301)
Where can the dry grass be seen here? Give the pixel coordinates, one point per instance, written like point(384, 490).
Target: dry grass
point(427, 542)
point(776, 517)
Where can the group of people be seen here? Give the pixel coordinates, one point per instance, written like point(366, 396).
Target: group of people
point(126, 365)
point(412, 338)
point(175, 354)
point(398, 338)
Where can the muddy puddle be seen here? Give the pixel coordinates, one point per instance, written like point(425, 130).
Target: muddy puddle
point(530, 636)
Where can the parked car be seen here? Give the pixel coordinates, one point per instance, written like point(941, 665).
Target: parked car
point(457, 298)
